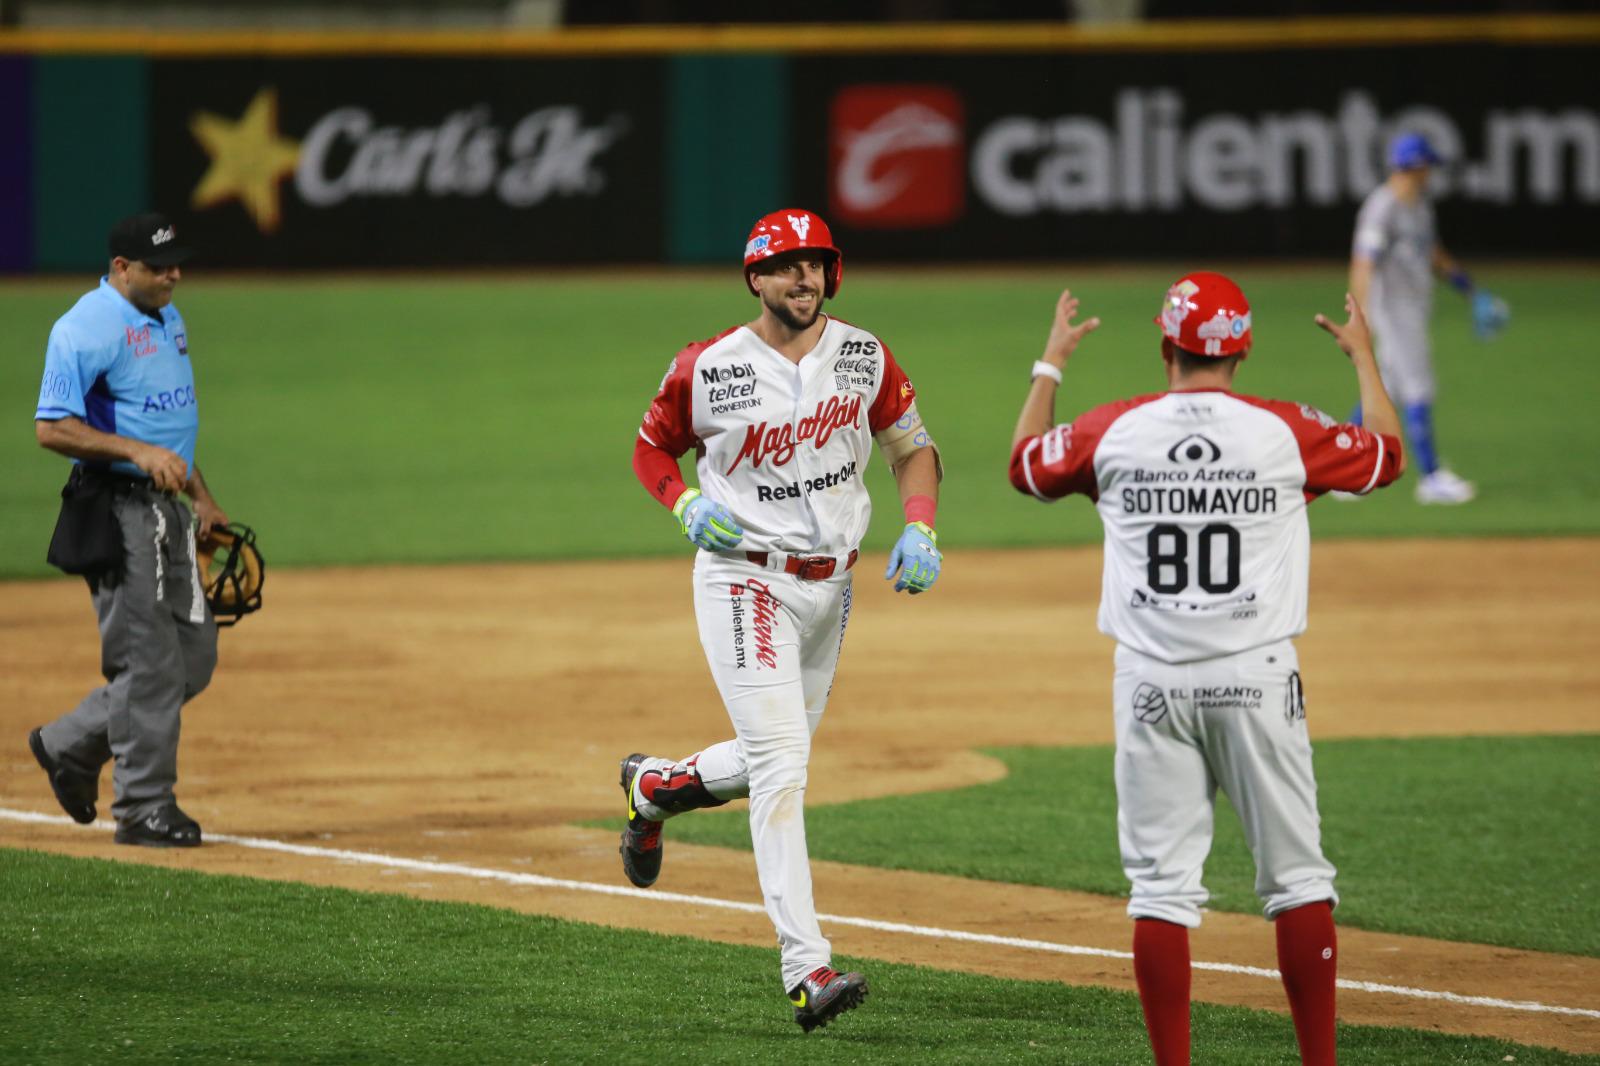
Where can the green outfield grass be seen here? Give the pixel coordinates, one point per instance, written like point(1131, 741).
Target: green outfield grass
point(110, 962)
point(442, 418)
point(1480, 839)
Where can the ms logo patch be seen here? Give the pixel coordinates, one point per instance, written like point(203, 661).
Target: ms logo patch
point(1149, 703)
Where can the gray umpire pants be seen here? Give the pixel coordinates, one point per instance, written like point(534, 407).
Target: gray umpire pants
point(158, 646)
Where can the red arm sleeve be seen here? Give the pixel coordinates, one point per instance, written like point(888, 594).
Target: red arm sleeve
point(657, 470)
point(895, 393)
point(667, 430)
point(1339, 457)
point(1060, 461)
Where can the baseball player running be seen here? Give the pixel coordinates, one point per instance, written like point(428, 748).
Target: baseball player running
point(1203, 494)
point(781, 413)
point(1393, 261)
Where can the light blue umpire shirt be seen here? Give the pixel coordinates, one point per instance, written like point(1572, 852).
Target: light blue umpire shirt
point(124, 372)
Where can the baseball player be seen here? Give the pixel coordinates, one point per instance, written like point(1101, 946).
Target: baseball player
point(782, 413)
point(1203, 494)
point(1393, 261)
point(118, 398)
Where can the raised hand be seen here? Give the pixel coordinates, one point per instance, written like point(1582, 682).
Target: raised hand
point(1064, 333)
point(1352, 337)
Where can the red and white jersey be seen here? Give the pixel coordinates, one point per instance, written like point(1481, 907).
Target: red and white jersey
point(783, 445)
point(1203, 496)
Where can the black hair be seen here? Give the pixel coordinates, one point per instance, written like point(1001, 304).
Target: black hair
point(1190, 362)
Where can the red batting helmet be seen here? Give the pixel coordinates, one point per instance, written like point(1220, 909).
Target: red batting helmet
point(1206, 314)
point(788, 230)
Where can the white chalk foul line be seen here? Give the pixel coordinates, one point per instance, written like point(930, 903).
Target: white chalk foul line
point(510, 877)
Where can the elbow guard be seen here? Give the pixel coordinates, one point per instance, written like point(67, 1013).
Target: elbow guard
point(907, 436)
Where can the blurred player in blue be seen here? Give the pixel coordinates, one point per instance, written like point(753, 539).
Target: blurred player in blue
point(1394, 258)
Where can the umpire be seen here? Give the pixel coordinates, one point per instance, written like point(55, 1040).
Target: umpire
point(118, 398)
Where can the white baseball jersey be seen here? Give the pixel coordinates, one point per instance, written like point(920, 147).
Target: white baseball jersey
point(1399, 239)
point(1203, 496)
point(783, 445)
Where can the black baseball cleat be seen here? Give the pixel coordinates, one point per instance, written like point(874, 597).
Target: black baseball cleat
point(75, 791)
point(824, 995)
point(167, 827)
point(641, 840)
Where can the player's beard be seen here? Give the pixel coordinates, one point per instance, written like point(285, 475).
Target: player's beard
point(780, 310)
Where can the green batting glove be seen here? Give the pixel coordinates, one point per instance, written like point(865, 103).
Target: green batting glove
point(708, 525)
point(917, 557)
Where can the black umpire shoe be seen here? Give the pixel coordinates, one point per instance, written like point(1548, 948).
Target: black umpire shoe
point(641, 840)
point(75, 791)
point(824, 995)
point(167, 827)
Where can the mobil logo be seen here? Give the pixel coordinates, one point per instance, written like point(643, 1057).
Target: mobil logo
point(714, 374)
point(897, 156)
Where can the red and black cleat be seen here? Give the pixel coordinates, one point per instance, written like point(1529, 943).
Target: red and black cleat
point(641, 840)
point(824, 995)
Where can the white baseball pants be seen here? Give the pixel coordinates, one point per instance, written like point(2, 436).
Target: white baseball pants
point(1404, 352)
point(772, 641)
point(1183, 729)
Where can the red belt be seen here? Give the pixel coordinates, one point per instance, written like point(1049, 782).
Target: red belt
point(807, 567)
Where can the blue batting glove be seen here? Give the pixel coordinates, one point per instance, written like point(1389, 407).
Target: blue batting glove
point(917, 558)
point(1490, 314)
point(706, 522)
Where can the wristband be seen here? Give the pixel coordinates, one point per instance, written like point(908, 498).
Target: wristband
point(921, 508)
point(1042, 369)
point(1459, 280)
point(688, 497)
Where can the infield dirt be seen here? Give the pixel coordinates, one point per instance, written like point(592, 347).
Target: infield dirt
point(472, 714)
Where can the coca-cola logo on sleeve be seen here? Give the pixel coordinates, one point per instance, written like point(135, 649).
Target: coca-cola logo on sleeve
point(897, 156)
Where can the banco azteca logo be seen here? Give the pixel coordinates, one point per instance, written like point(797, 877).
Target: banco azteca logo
point(1149, 703)
point(1194, 449)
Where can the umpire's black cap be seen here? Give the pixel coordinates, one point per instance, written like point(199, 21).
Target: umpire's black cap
point(150, 238)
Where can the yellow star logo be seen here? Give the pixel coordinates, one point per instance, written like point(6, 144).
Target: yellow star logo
point(248, 159)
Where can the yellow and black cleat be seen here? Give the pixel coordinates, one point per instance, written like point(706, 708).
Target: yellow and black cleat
point(641, 840)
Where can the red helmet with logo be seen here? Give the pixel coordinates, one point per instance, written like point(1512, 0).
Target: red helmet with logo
point(789, 230)
point(1206, 314)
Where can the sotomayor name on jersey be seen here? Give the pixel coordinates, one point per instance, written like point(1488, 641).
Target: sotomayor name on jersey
point(1199, 500)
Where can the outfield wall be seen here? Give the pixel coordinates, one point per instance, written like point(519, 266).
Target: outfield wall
point(918, 142)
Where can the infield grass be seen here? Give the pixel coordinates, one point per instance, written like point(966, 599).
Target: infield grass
point(108, 962)
point(422, 418)
point(1483, 839)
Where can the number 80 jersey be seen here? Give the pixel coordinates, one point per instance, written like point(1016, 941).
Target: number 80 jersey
point(1203, 496)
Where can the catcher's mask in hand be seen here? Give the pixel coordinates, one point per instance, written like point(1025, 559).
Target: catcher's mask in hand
point(232, 571)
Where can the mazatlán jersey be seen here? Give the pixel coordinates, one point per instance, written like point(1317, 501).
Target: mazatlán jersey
point(1203, 495)
point(783, 445)
point(123, 372)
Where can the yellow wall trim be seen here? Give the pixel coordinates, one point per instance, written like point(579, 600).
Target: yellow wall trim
point(1186, 36)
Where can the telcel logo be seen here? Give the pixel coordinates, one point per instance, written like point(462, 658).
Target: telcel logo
point(897, 156)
